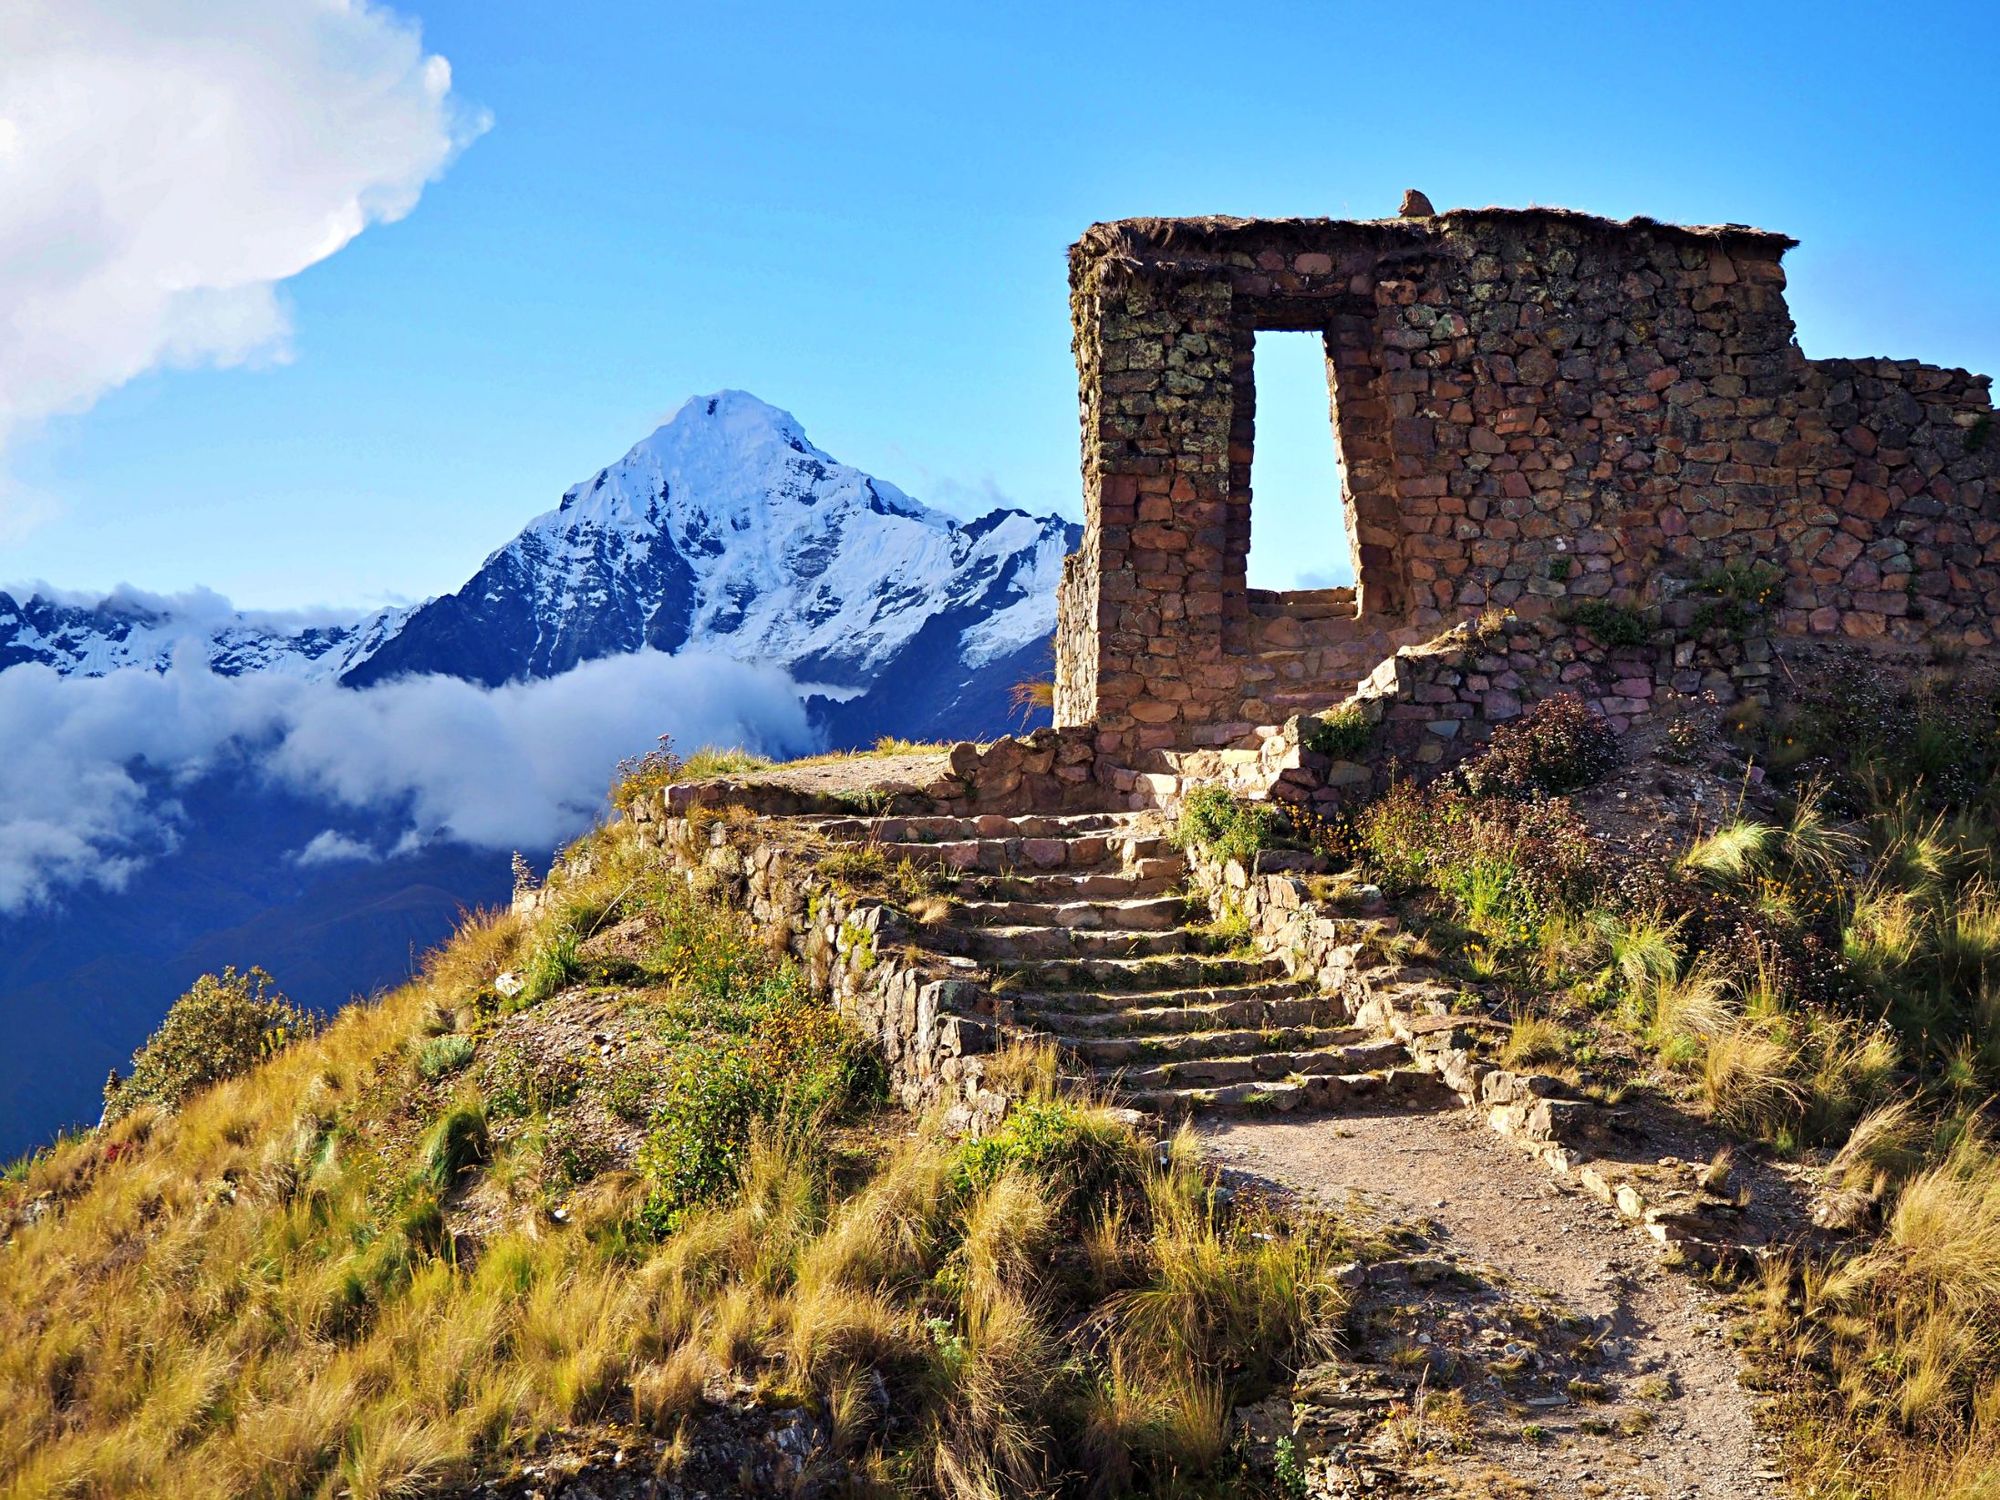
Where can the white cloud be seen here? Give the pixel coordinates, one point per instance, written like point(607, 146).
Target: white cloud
point(332, 847)
point(87, 765)
point(164, 164)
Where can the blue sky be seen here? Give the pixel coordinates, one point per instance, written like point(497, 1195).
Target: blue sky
point(860, 212)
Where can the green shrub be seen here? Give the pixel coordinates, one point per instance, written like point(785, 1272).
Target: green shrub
point(1081, 1153)
point(1557, 746)
point(1738, 593)
point(443, 1054)
point(553, 967)
point(794, 1060)
point(572, 1154)
point(1221, 827)
point(223, 1026)
point(1506, 867)
point(1340, 734)
point(714, 961)
point(1612, 624)
point(519, 1080)
point(628, 1086)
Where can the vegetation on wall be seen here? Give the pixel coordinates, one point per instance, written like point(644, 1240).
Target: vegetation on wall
point(1225, 827)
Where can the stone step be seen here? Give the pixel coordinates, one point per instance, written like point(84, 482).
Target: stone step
point(1147, 877)
point(1142, 914)
point(1100, 852)
point(1005, 944)
point(1272, 1065)
point(1282, 706)
point(1403, 1088)
point(1255, 1007)
point(934, 829)
point(1302, 604)
point(1134, 975)
point(1150, 1053)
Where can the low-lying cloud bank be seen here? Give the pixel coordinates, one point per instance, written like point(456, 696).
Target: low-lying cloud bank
point(89, 766)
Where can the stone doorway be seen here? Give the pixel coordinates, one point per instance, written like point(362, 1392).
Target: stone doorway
point(1300, 538)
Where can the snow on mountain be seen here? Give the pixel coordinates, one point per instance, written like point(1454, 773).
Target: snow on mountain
point(90, 637)
point(725, 529)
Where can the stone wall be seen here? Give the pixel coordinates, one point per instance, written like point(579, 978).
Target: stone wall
point(1044, 771)
point(1352, 955)
point(1533, 409)
point(1428, 707)
point(935, 1031)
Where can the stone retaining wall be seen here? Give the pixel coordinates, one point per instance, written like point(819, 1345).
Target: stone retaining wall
point(1686, 1207)
point(935, 1031)
point(1352, 955)
point(1045, 771)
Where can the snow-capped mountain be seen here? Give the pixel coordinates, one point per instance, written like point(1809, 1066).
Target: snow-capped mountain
point(726, 530)
point(90, 637)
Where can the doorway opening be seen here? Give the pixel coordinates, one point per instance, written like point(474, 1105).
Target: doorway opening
point(1299, 532)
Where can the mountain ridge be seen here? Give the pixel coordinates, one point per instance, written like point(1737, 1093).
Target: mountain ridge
point(724, 528)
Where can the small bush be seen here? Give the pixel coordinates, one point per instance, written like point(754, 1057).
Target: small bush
point(796, 1060)
point(223, 1026)
point(520, 1080)
point(1557, 746)
point(641, 776)
point(443, 1054)
point(572, 1154)
point(1738, 592)
point(553, 967)
point(1340, 734)
point(1506, 867)
point(1080, 1153)
point(1221, 827)
point(1612, 624)
point(1692, 725)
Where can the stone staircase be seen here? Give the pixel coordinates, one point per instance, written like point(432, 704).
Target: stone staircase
point(1076, 926)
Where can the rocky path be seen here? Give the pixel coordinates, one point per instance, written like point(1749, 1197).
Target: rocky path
point(1660, 1413)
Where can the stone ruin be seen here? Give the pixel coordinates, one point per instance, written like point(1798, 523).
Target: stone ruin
point(1536, 412)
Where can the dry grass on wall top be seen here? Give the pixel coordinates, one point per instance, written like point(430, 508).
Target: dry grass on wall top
point(303, 1282)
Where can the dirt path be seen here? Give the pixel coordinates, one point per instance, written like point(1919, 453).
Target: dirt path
point(1667, 1419)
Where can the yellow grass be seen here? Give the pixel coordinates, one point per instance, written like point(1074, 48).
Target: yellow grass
point(256, 1296)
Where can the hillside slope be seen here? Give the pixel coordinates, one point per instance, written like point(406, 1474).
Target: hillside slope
point(606, 1195)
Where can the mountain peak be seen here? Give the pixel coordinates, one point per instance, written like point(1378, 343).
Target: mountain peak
point(724, 530)
point(737, 413)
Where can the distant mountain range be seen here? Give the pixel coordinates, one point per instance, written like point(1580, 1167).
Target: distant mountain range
point(725, 530)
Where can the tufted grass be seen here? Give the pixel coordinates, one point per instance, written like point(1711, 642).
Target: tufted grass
point(275, 1289)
